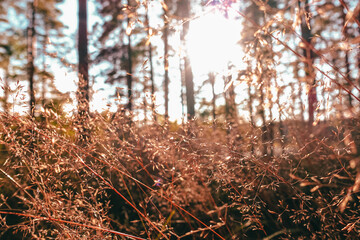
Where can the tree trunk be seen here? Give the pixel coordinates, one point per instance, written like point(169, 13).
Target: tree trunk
point(270, 133)
point(250, 108)
point(145, 105)
point(182, 77)
point(232, 102)
point(31, 55)
point(83, 88)
point(299, 92)
point(189, 84)
point(44, 78)
point(309, 56)
point(212, 82)
point(6, 89)
point(281, 124)
point(270, 126)
point(166, 64)
point(129, 77)
point(302, 106)
point(251, 114)
point(230, 105)
point(264, 132)
point(151, 67)
point(347, 64)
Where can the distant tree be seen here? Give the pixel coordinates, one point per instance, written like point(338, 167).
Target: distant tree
point(229, 96)
point(345, 33)
point(251, 113)
point(166, 55)
point(5, 56)
point(115, 52)
point(129, 75)
point(183, 10)
point(31, 53)
point(298, 96)
point(212, 77)
point(210, 108)
point(42, 16)
point(261, 71)
point(122, 55)
point(49, 27)
point(13, 49)
point(150, 56)
point(83, 89)
point(308, 53)
point(6, 87)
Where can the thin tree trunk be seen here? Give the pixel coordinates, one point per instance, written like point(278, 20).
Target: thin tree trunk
point(299, 92)
point(347, 74)
point(251, 114)
point(309, 55)
point(44, 78)
point(151, 67)
point(129, 77)
point(270, 126)
point(6, 90)
point(293, 100)
point(232, 102)
point(145, 105)
point(152, 80)
point(83, 88)
point(166, 64)
point(281, 124)
point(189, 84)
point(302, 108)
point(230, 105)
point(355, 133)
point(226, 98)
point(347, 64)
point(31, 55)
point(182, 77)
point(212, 82)
point(264, 131)
point(250, 108)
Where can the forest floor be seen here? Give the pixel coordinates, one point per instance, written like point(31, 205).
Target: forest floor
point(170, 181)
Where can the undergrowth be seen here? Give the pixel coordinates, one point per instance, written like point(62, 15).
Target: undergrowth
point(191, 181)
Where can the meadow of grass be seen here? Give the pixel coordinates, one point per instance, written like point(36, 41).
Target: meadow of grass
point(171, 181)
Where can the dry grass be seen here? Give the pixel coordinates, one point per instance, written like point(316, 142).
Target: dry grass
point(191, 182)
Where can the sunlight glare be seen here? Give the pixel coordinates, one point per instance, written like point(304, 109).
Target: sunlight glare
point(212, 42)
point(64, 81)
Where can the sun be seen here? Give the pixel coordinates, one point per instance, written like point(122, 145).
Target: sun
point(212, 42)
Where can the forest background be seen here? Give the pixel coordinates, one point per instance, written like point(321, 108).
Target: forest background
point(218, 119)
